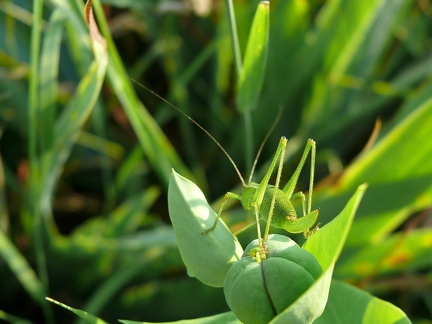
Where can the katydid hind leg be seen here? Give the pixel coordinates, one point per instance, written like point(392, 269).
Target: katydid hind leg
point(292, 182)
point(303, 200)
point(303, 224)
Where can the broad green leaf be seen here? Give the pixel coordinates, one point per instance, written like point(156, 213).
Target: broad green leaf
point(89, 318)
point(326, 245)
point(252, 74)
point(228, 318)
point(207, 257)
point(348, 304)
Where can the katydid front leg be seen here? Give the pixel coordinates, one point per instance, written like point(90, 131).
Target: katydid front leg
point(232, 195)
point(227, 196)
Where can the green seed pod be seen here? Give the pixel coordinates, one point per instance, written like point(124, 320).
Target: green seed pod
point(258, 291)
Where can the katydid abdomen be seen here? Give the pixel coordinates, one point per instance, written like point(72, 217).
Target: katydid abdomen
point(283, 208)
point(284, 214)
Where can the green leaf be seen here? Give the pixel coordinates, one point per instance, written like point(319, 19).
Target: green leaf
point(89, 318)
point(252, 74)
point(348, 304)
point(228, 318)
point(326, 245)
point(207, 257)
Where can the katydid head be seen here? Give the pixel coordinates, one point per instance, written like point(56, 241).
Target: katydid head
point(248, 194)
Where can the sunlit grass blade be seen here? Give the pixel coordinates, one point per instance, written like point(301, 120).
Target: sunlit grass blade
point(89, 318)
point(349, 24)
point(399, 251)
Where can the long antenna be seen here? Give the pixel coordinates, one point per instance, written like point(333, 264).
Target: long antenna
point(276, 121)
point(196, 123)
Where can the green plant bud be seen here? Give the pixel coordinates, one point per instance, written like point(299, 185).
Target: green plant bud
point(258, 291)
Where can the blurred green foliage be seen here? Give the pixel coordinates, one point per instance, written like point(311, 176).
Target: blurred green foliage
point(84, 165)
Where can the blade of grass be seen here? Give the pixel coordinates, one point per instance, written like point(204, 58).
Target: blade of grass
point(12, 319)
point(69, 124)
point(22, 270)
point(4, 217)
point(353, 21)
point(50, 57)
point(89, 318)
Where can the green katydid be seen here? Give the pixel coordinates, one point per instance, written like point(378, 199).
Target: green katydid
point(274, 204)
point(269, 201)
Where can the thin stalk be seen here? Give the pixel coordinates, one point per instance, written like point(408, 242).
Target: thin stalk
point(249, 139)
point(248, 129)
point(35, 175)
